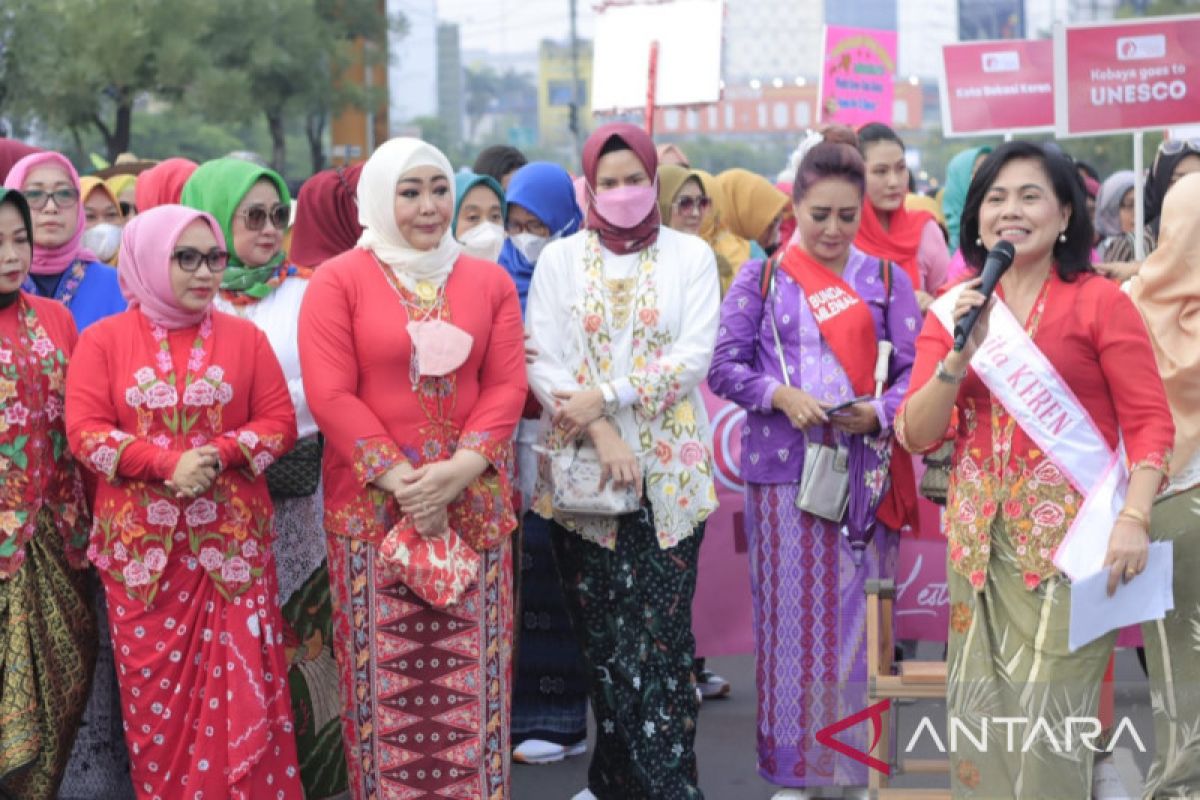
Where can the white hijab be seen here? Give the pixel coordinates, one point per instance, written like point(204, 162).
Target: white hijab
point(376, 212)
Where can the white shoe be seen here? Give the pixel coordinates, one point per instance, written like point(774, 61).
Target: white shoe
point(586, 794)
point(539, 751)
point(790, 794)
point(1106, 781)
point(712, 685)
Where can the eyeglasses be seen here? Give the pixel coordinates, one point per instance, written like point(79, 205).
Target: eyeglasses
point(189, 259)
point(536, 227)
point(63, 198)
point(684, 205)
point(256, 216)
point(1172, 147)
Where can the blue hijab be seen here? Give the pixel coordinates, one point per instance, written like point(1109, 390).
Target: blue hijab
point(465, 182)
point(546, 191)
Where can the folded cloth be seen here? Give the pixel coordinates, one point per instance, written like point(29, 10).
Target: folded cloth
point(439, 569)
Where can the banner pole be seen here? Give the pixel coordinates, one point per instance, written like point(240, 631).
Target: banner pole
point(652, 88)
point(1139, 200)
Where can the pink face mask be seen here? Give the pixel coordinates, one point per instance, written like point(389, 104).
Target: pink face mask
point(626, 206)
point(440, 347)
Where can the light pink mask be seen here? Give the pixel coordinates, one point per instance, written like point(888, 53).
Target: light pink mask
point(441, 347)
point(626, 206)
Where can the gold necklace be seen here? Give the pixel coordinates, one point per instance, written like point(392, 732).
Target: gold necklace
point(620, 295)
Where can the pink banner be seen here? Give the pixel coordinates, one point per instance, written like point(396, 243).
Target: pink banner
point(722, 612)
point(1126, 77)
point(857, 73)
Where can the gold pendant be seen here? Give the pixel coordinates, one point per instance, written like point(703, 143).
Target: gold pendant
point(426, 292)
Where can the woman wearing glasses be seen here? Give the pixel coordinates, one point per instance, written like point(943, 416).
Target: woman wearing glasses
point(550, 694)
point(179, 409)
point(251, 204)
point(682, 201)
point(47, 629)
point(62, 268)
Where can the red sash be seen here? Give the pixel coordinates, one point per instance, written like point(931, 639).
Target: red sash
point(848, 328)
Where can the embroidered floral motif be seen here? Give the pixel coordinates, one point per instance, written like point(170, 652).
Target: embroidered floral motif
point(679, 477)
point(374, 457)
point(36, 468)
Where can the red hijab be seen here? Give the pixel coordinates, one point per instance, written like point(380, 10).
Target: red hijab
point(12, 151)
point(326, 216)
point(621, 241)
point(162, 184)
point(899, 243)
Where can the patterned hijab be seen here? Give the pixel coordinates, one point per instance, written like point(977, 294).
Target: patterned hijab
point(56, 260)
point(217, 187)
point(144, 270)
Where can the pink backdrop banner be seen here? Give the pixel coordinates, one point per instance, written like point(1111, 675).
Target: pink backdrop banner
point(858, 68)
point(722, 612)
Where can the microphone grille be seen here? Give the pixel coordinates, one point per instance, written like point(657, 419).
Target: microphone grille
point(1003, 249)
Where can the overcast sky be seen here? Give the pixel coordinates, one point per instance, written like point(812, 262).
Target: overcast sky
point(513, 26)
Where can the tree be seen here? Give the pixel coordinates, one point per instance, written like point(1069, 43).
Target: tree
point(283, 57)
point(79, 65)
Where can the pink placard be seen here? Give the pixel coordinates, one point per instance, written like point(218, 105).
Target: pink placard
point(997, 87)
point(857, 73)
point(1134, 76)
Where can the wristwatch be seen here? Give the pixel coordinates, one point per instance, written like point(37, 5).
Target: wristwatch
point(612, 403)
point(946, 376)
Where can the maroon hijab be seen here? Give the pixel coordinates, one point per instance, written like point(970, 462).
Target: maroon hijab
point(326, 216)
point(621, 241)
point(12, 151)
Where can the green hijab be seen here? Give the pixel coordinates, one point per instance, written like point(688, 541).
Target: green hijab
point(217, 187)
point(958, 180)
point(465, 182)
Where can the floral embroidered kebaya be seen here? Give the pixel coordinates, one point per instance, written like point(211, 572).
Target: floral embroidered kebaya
point(36, 468)
point(226, 398)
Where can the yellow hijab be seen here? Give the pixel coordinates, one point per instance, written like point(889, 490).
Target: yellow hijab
point(118, 184)
point(1167, 292)
point(671, 178)
point(713, 231)
point(91, 183)
point(753, 202)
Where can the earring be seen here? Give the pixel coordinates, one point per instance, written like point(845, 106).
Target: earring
point(1062, 237)
point(979, 241)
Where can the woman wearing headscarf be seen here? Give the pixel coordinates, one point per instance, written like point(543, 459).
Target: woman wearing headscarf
point(1175, 159)
point(959, 172)
point(623, 317)
point(251, 204)
point(326, 217)
point(713, 231)
point(124, 188)
point(12, 151)
point(100, 205)
point(890, 230)
point(1167, 292)
point(47, 628)
point(752, 211)
point(62, 268)
point(179, 410)
point(414, 367)
point(479, 214)
point(163, 183)
point(549, 719)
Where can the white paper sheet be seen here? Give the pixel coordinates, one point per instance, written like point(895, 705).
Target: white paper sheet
point(1148, 596)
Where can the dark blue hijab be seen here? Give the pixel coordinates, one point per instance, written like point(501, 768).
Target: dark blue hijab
point(546, 191)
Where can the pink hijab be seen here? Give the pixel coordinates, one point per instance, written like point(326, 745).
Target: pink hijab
point(144, 265)
point(53, 261)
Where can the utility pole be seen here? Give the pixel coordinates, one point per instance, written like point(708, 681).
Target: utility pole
point(574, 119)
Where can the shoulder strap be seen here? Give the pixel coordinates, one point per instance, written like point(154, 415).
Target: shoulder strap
point(885, 273)
point(766, 278)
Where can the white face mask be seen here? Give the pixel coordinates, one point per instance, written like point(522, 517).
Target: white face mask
point(530, 245)
point(484, 241)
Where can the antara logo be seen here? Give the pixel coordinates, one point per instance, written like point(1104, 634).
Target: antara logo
point(875, 715)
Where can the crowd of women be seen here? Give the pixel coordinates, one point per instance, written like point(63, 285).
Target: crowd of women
point(284, 484)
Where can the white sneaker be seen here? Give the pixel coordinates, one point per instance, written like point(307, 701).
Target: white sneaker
point(790, 794)
point(539, 751)
point(712, 685)
point(1106, 781)
point(586, 794)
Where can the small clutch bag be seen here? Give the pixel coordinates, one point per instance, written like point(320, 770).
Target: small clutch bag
point(825, 482)
point(439, 569)
point(575, 480)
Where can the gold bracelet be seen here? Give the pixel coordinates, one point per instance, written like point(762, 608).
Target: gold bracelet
point(1136, 516)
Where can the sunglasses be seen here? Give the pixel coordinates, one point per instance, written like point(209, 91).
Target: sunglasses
point(256, 216)
point(63, 198)
point(189, 259)
point(1172, 147)
point(685, 204)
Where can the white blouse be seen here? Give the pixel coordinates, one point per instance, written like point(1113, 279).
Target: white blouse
point(278, 316)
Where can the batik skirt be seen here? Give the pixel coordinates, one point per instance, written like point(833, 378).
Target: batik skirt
point(47, 654)
point(810, 629)
point(425, 691)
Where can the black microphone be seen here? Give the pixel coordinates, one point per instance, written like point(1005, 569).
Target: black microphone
point(998, 261)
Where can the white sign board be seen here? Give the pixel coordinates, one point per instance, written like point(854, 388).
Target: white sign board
point(688, 33)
